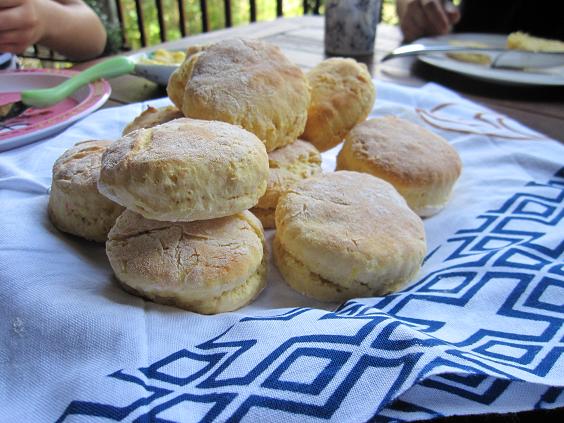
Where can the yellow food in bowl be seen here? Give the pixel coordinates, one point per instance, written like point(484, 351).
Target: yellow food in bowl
point(164, 57)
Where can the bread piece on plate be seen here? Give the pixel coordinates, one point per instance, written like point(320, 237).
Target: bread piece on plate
point(75, 205)
point(344, 234)
point(342, 95)
point(470, 57)
point(208, 267)
point(523, 41)
point(289, 164)
point(244, 82)
point(185, 170)
point(421, 165)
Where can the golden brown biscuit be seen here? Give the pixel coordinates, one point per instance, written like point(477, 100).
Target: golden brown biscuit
point(209, 266)
point(75, 205)
point(244, 82)
point(177, 81)
point(342, 95)
point(152, 117)
point(421, 165)
point(185, 170)
point(346, 234)
point(289, 164)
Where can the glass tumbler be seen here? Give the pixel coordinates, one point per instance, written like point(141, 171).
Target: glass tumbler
point(350, 26)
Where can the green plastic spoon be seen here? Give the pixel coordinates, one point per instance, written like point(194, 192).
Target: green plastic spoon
point(46, 97)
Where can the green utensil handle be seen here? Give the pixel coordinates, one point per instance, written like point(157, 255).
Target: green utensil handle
point(46, 97)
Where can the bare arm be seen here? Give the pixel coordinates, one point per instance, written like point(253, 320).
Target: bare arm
point(69, 27)
point(425, 17)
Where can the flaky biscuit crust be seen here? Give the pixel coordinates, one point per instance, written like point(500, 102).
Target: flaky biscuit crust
point(244, 82)
point(153, 116)
point(209, 266)
point(75, 205)
point(287, 165)
point(342, 95)
point(185, 170)
point(350, 230)
point(421, 165)
point(266, 216)
point(179, 78)
point(523, 41)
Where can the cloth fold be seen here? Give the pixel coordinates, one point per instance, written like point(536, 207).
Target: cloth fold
point(479, 330)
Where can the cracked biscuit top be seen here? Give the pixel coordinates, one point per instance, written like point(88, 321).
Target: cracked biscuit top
point(349, 228)
point(185, 170)
point(420, 164)
point(80, 165)
point(245, 82)
point(200, 259)
point(153, 116)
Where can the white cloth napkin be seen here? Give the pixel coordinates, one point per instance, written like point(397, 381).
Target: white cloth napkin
point(478, 331)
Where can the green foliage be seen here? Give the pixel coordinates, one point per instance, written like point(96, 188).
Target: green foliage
point(240, 10)
point(113, 30)
point(389, 15)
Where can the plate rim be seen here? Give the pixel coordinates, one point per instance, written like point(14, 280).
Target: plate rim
point(99, 92)
point(470, 70)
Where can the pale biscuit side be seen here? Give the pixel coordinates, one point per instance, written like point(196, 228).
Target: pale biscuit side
point(287, 165)
point(75, 205)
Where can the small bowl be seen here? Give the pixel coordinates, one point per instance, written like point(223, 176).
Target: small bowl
point(156, 73)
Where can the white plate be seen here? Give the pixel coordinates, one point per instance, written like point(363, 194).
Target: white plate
point(553, 76)
point(36, 124)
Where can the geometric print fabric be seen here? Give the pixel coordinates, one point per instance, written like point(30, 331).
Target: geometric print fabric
point(503, 280)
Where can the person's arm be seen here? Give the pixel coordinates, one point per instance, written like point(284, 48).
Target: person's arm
point(425, 17)
point(69, 27)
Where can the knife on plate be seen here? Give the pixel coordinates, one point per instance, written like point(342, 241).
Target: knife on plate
point(500, 57)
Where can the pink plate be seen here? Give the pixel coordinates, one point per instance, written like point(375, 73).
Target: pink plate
point(35, 124)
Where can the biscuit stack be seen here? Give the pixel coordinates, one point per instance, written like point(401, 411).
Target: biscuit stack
point(186, 237)
point(187, 176)
point(252, 84)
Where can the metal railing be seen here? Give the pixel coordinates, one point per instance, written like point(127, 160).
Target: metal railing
point(121, 12)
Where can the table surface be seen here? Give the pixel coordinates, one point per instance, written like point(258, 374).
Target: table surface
point(301, 39)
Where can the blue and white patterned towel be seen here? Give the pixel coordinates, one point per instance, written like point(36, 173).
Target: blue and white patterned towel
point(478, 331)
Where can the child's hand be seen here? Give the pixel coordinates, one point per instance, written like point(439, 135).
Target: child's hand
point(20, 24)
